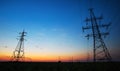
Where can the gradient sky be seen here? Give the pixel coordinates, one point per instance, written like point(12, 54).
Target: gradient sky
point(54, 28)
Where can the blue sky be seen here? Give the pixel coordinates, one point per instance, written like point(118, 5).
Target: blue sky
point(54, 26)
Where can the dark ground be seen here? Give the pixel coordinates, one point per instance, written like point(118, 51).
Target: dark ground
point(61, 66)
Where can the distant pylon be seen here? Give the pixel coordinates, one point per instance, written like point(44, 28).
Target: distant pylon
point(18, 53)
point(59, 59)
point(100, 51)
point(88, 57)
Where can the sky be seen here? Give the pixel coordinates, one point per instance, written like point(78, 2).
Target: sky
point(54, 28)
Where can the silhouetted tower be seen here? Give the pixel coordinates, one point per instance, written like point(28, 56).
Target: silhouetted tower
point(100, 51)
point(88, 56)
point(18, 53)
point(59, 59)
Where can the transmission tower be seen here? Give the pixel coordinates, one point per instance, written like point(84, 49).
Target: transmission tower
point(18, 53)
point(100, 51)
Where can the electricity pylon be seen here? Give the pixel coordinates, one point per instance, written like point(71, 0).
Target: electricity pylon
point(100, 51)
point(18, 53)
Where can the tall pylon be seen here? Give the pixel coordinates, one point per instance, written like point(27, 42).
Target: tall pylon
point(100, 51)
point(18, 53)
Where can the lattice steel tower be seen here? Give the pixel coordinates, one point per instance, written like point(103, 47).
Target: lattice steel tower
point(18, 53)
point(100, 51)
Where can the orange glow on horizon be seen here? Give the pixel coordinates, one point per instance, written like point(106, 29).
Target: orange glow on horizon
point(48, 58)
point(4, 58)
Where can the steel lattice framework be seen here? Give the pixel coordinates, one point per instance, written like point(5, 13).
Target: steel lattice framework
point(18, 53)
point(100, 51)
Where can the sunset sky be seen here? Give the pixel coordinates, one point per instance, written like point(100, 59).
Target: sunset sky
point(54, 28)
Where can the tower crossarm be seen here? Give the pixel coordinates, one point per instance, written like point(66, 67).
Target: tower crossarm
point(100, 26)
point(102, 34)
point(97, 18)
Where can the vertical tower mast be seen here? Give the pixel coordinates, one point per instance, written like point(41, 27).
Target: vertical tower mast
point(100, 51)
point(18, 53)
